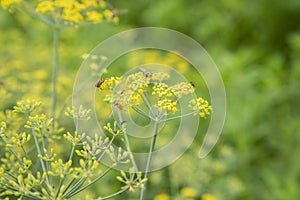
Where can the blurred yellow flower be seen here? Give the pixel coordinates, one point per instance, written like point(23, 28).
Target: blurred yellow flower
point(94, 16)
point(7, 3)
point(45, 7)
point(162, 196)
point(188, 192)
point(75, 11)
point(208, 197)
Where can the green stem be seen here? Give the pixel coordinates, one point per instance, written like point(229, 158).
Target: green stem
point(59, 187)
point(150, 156)
point(140, 111)
point(40, 153)
point(45, 145)
point(54, 72)
point(72, 152)
point(88, 185)
point(145, 99)
point(81, 180)
point(107, 146)
point(180, 116)
point(115, 194)
point(127, 144)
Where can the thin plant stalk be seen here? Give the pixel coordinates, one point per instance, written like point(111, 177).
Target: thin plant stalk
point(150, 155)
point(54, 72)
point(68, 195)
point(115, 194)
point(40, 153)
point(127, 144)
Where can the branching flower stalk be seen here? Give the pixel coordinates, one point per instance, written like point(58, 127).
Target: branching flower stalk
point(29, 177)
point(133, 90)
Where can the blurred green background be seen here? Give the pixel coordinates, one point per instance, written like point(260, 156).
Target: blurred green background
point(255, 44)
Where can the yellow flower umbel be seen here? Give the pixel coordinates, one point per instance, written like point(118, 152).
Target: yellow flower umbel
point(130, 91)
point(200, 105)
point(162, 196)
point(208, 197)
point(74, 12)
point(7, 3)
point(188, 192)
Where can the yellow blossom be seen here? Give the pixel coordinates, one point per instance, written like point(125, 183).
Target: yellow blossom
point(7, 3)
point(167, 105)
point(162, 196)
point(188, 192)
point(74, 11)
point(72, 15)
point(208, 197)
point(94, 16)
point(181, 89)
point(107, 83)
point(160, 89)
point(201, 105)
point(108, 14)
point(45, 7)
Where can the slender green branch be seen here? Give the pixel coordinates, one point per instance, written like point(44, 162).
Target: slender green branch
point(40, 153)
point(145, 99)
point(59, 187)
point(75, 186)
point(54, 72)
point(140, 111)
point(11, 175)
point(107, 146)
point(69, 185)
point(88, 185)
point(27, 9)
point(127, 144)
point(44, 145)
point(180, 116)
point(115, 194)
point(82, 180)
point(72, 152)
point(150, 155)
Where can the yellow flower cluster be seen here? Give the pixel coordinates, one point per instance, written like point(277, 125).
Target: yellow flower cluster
point(167, 104)
point(162, 196)
point(161, 90)
point(138, 81)
point(8, 3)
point(181, 89)
point(77, 11)
point(166, 94)
point(61, 169)
point(208, 197)
point(201, 105)
point(133, 181)
point(26, 106)
point(134, 85)
point(107, 83)
point(160, 76)
point(188, 192)
point(114, 130)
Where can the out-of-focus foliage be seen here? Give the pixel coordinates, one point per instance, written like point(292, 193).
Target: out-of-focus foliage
point(256, 45)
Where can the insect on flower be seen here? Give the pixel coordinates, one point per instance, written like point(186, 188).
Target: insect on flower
point(147, 74)
point(100, 82)
point(120, 106)
point(193, 84)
